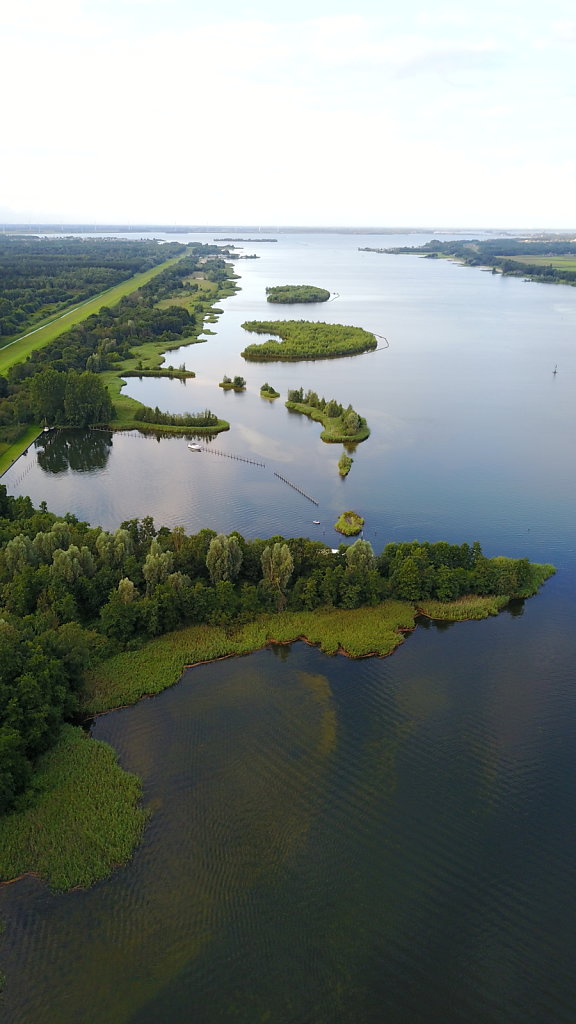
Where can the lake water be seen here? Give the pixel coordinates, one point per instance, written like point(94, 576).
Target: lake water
point(338, 842)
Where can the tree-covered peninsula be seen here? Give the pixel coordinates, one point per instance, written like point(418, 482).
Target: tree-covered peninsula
point(82, 616)
point(289, 293)
point(340, 425)
point(304, 339)
point(548, 258)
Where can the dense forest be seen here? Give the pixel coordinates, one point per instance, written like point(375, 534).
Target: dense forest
point(511, 256)
point(303, 339)
point(71, 594)
point(34, 391)
point(287, 293)
point(41, 276)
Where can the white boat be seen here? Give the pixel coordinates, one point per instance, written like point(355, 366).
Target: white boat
point(195, 447)
point(316, 522)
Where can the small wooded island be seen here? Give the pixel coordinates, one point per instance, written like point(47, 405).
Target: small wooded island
point(340, 425)
point(288, 293)
point(92, 620)
point(304, 339)
point(233, 384)
point(267, 391)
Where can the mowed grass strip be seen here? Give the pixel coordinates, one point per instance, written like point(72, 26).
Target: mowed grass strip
point(559, 262)
point(16, 351)
point(82, 817)
point(10, 452)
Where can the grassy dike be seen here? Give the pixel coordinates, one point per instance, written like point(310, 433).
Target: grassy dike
point(13, 451)
point(18, 350)
point(83, 817)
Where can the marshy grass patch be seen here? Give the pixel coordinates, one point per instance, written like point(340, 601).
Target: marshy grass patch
point(82, 816)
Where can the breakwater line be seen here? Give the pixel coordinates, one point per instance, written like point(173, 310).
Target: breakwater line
point(229, 455)
point(296, 488)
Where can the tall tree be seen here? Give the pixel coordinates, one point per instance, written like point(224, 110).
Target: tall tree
point(277, 566)
point(224, 558)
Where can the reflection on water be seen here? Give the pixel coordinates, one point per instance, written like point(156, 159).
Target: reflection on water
point(337, 842)
point(80, 450)
point(330, 841)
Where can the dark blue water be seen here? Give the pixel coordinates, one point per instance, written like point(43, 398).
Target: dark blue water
point(335, 841)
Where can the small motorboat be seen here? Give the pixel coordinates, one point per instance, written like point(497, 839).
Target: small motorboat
point(316, 522)
point(195, 447)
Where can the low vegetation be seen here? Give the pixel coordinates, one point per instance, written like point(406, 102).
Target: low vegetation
point(340, 424)
point(81, 817)
point(349, 523)
point(302, 339)
point(288, 293)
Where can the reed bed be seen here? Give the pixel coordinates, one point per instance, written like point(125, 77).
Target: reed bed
point(470, 607)
point(82, 816)
point(126, 677)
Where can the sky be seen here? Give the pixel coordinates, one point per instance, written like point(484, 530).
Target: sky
point(454, 114)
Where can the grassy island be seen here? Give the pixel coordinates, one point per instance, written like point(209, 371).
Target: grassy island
point(91, 620)
point(236, 384)
point(349, 523)
point(288, 293)
point(205, 422)
point(303, 339)
point(267, 391)
point(340, 425)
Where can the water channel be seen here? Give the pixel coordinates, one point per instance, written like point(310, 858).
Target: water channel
point(336, 841)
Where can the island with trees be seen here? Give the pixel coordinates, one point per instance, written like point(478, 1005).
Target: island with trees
point(340, 425)
point(304, 339)
point(289, 293)
point(344, 464)
point(267, 391)
point(232, 383)
point(91, 620)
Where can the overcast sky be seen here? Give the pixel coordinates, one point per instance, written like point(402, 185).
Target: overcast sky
point(320, 113)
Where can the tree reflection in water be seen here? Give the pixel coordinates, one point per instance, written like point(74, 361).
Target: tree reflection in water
point(80, 450)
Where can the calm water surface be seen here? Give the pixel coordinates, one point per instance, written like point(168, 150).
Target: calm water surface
point(334, 841)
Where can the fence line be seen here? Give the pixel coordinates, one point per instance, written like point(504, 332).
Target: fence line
point(296, 488)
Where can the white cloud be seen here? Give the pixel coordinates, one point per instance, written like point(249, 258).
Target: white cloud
point(349, 118)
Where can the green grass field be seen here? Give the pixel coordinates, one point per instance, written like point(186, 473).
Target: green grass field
point(16, 351)
point(559, 262)
point(10, 452)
